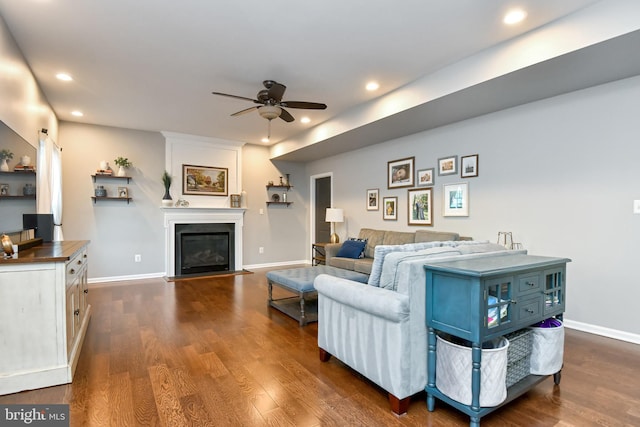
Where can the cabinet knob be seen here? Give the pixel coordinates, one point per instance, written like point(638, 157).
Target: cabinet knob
point(530, 311)
point(86, 291)
point(531, 284)
point(76, 312)
point(72, 271)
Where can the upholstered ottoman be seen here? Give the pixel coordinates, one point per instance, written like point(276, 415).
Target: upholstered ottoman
point(304, 306)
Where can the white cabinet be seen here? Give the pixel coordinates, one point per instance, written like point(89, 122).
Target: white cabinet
point(44, 315)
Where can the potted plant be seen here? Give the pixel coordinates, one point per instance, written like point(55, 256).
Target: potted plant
point(166, 181)
point(5, 154)
point(124, 163)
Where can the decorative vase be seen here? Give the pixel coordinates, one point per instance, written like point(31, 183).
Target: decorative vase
point(166, 199)
point(101, 191)
point(25, 160)
point(104, 165)
point(4, 167)
point(28, 189)
point(122, 171)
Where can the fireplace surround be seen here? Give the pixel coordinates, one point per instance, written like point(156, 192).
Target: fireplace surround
point(201, 221)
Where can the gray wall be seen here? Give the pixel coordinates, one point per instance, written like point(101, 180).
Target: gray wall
point(280, 230)
point(559, 174)
point(117, 230)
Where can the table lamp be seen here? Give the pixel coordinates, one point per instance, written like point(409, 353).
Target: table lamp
point(334, 215)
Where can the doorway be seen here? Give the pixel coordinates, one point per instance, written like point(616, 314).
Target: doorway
point(321, 189)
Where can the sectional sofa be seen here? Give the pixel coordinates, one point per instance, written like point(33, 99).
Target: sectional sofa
point(378, 328)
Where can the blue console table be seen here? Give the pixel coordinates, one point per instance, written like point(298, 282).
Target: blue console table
point(526, 289)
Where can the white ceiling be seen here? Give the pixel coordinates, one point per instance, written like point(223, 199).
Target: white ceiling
point(152, 64)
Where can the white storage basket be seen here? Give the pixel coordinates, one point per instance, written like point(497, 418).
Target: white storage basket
point(547, 350)
point(454, 367)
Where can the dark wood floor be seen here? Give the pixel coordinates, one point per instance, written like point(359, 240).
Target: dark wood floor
point(210, 352)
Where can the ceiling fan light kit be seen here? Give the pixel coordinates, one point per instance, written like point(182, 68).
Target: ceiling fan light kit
point(272, 104)
point(270, 112)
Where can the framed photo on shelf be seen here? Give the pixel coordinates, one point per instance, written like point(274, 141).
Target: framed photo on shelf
point(448, 165)
point(372, 199)
point(420, 206)
point(469, 166)
point(123, 192)
point(390, 208)
point(455, 199)
point(204, 180)
point(400, 173)
point(425, 177)
point(4, 189)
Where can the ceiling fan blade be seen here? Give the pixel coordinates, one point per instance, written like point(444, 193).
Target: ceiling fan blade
point(246, 110)
point(237, 97)
point(286, 116)
point(276, 90)
point(302, 104)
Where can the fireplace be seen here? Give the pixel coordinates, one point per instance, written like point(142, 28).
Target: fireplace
point(204, 248)
point(213, 239)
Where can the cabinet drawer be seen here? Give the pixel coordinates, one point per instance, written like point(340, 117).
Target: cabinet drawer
point(75, 266)
point(529, 283)
point(529, 309)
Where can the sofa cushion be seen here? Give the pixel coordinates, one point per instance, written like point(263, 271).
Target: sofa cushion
point(477, 247)
point(398, 238)
point(435, 236)
point(352, 249)
point(374, 238)
point(363, 265)
point(346, 263)
point(382, 250)
point(388, 277)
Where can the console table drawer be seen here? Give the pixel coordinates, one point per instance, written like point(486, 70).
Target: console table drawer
point(530, 309)
point(529, 283)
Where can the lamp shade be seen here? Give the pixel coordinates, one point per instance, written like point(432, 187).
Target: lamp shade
point(334, 215)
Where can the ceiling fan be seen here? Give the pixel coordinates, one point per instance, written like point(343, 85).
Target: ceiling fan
point(271, 103)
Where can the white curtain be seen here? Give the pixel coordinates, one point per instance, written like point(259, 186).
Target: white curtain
point(49, 193)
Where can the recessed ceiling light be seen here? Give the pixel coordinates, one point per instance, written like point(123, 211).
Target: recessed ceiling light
point(77, 113)
point(371, 86)
point(64, 77)
point(305, 120)
point(265, 139)
point(514, 16)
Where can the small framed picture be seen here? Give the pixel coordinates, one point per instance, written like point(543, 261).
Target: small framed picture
point(469, 166)
point(123, 192)
point(390, 210)
point(372, 199)
point(425, 177)
point(420, 206)
point(448, 165)
point(4, 189)
point(455, 199)
point(400, 173)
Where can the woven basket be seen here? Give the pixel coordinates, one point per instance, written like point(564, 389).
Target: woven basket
point(518, 355)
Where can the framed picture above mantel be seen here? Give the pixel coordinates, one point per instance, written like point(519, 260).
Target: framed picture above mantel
point(204, 180)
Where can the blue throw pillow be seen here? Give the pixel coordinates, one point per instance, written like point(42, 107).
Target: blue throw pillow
point(351, 249)
point(360, 240)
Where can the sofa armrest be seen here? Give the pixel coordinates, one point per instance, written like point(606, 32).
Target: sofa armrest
point(383, 303)
point(331, 250)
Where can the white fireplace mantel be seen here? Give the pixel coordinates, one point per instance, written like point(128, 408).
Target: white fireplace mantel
point(173, 216)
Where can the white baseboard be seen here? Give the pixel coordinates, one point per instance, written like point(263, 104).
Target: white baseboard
point(100, 281)
point(277, 264)
point(600, 330)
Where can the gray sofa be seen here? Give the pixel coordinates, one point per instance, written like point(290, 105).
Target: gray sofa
point(378, 329)
point(382, 237)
